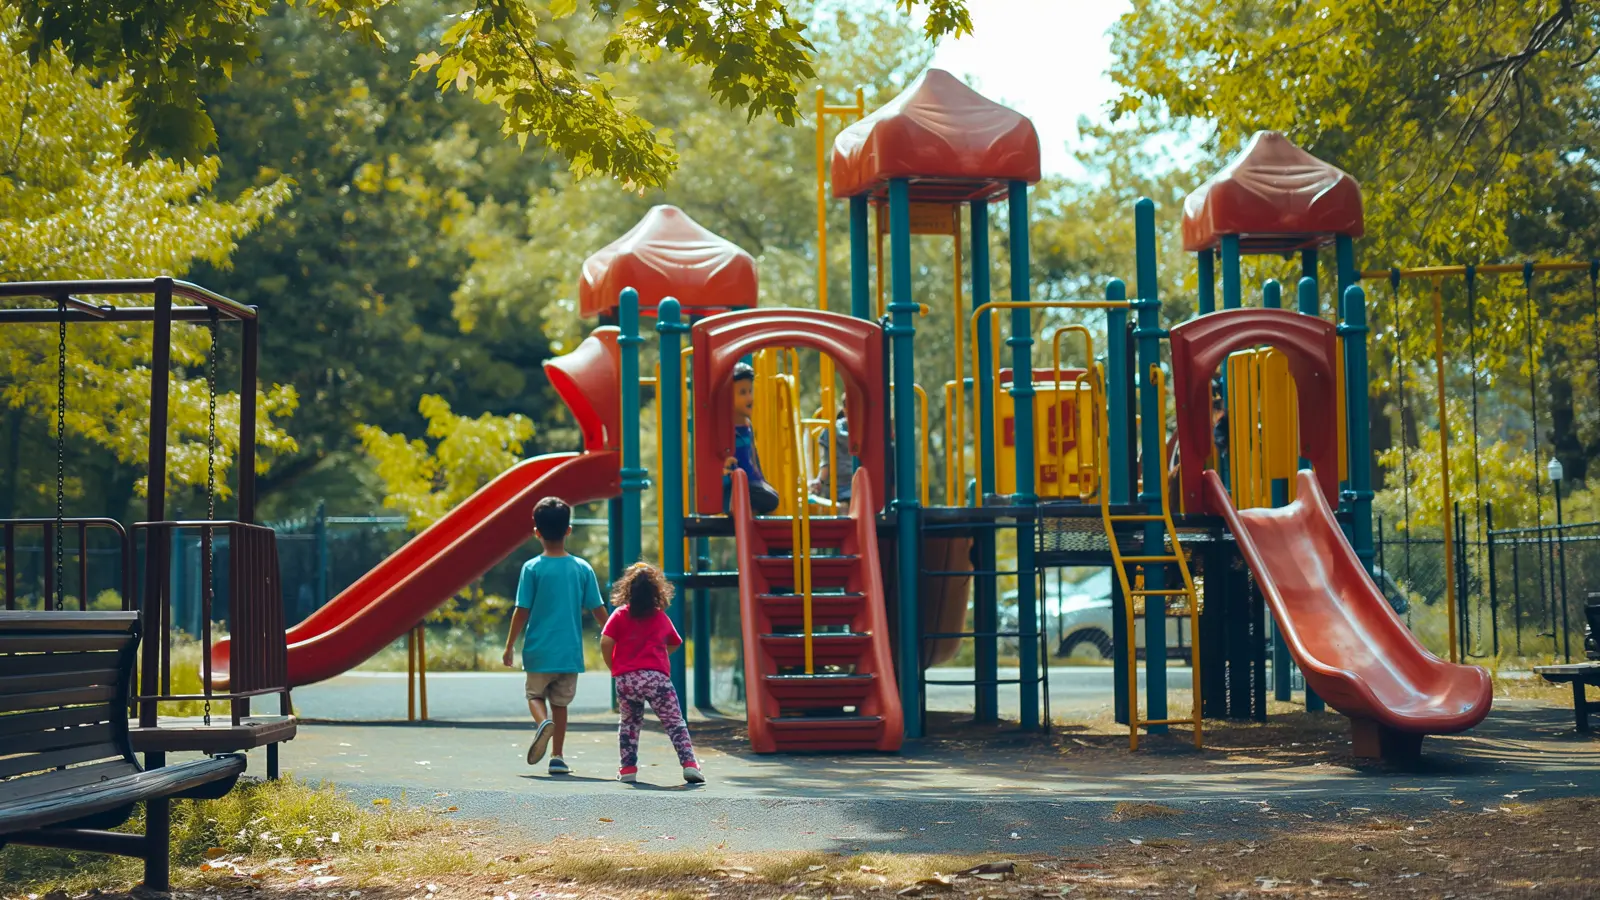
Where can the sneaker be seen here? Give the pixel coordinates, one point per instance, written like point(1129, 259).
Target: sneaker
point(541, 742)
point(558, 767)
point(693, 775)
point(628, 774)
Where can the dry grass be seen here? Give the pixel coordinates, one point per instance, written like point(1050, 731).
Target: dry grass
point(1543, 850)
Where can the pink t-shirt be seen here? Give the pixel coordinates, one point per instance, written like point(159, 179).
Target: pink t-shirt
point(642, 643)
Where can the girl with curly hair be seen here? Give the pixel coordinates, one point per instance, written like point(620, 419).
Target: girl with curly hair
point(635, 643)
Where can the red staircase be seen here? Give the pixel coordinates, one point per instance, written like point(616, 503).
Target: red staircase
point(850, 700)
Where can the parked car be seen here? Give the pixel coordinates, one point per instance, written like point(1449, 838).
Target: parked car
point(1079, 615)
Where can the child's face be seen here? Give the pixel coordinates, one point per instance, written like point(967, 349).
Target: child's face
point(744, 397)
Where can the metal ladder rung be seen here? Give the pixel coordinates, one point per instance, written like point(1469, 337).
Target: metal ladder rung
point(1169, 592)
point(1144, 722)
point(1149, 559)
point(1146, 517)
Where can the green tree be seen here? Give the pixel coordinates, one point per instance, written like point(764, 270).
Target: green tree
point(355, 275)
point(69, 208)
point(751, 55)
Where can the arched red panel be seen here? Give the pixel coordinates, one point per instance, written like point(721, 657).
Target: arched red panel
point(1200, 345)
point(720, 341)
point(589, 381)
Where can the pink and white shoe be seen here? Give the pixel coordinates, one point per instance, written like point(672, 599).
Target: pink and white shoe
point(693, 775)
point(628, 774)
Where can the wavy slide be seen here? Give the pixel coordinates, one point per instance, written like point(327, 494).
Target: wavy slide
point(1355, 652)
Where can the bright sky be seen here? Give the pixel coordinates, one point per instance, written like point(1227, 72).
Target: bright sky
point(1044, 58)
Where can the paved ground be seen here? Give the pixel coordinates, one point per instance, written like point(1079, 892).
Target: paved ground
point(966, 790)
point(477, 696)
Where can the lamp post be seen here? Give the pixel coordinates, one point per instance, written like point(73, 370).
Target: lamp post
point(1556, 473)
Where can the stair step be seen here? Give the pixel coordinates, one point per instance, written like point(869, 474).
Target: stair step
point(827, 532)
point(826, 649)
point(826, 609)
point(819, 691)
point(794, 733)
point(826, 571)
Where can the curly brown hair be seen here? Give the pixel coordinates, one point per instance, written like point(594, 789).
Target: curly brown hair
point(643, 589)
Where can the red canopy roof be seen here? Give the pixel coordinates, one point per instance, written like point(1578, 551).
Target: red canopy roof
point(668, 254)
point(1276, 197)
point(953, 144)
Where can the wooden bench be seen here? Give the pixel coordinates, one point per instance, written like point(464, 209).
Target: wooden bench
point(67, 770)
point(1578, 675)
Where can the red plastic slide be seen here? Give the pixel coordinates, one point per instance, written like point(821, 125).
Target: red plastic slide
point(1355, 652)
point(487, 527)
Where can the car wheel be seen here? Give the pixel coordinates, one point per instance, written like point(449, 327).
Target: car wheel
point(1092, 643)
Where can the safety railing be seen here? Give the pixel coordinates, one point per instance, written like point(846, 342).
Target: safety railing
point(258, 653)
point(54, 552)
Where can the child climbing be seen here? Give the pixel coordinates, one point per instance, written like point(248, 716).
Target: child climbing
point(635, 643)
point(839, 459)
point(763, 496)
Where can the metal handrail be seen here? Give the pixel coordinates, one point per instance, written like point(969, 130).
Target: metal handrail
point(125, 286)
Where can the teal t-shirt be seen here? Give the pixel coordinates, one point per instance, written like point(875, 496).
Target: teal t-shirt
point(557, 591)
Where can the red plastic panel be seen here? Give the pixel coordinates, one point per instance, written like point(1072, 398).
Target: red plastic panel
point(668, 254)
point(589, 381)
point(1276, 197)
point(1200, 345)
point(1355, 652)
point(720, 341)
point(952, 142)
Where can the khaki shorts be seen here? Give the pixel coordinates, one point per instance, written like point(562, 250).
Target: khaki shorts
point(556, 687)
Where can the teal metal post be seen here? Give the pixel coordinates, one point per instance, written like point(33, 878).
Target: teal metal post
point(860, 262)
point(903, 310)
point(1345, 269)
point(634, 476)
point(1121, 476)
point(1359, 495)
point(322, 554)
point(1021, 343)
point(1272, 298)
point(1208, 281)
point(1148, 333)
point(672, 451)
point(1310, 305)
point(1232, 296)
point(985, 588)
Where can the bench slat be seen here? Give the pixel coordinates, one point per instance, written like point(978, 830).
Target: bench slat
point(41, 811)
point(42, 663)
point(59, 739)
point(46, 719)
point(34, 621)
point(37, 643)
point(55, 759)
point(22, 684)
point(100, 693)
point(67, 780)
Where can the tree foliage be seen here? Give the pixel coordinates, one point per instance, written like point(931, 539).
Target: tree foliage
point(69, 208)
point(750, 55)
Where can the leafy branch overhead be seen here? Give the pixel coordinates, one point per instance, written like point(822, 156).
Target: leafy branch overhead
point(514, 54)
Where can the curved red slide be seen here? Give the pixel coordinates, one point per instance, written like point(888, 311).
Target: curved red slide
point(487, 527)
point(1355, 652)
point(445, 557)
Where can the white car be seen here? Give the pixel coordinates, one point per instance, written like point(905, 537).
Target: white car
point(1080, 612)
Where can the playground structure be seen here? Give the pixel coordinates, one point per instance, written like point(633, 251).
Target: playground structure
point(846, 604)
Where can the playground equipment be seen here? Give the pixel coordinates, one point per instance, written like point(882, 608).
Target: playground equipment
point(254, 608)
point(450, 554)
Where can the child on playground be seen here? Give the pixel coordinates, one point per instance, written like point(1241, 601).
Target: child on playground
point(763, 496)
point(555, 590)
point(635, 643)
point(840, 459)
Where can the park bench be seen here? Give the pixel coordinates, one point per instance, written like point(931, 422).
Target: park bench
point(1578, 675)
point(67, 769)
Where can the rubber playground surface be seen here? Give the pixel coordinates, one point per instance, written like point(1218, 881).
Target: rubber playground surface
point(963, 788)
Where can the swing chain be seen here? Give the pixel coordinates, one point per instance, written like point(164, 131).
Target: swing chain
point(61, 449)
point(211, 463)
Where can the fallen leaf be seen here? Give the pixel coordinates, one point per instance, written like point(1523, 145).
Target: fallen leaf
point(604, 819)
point(381, 801)
point(214, 852)
point(996, 869)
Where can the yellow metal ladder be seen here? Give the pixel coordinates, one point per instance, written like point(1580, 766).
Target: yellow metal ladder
point(1134, 591)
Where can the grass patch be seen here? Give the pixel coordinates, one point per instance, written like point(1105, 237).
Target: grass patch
point(1125, 811)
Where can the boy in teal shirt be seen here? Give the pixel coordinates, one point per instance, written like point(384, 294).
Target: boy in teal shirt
point(555, 590)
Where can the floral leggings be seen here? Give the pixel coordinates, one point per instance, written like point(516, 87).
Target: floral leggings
point(634, 690)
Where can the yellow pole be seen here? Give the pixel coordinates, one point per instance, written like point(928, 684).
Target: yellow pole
point(952, 436)
point(1446, 514)
point(411, 675)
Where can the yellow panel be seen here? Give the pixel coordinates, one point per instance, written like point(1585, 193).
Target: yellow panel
point(1057, 457)
point(926, 218)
